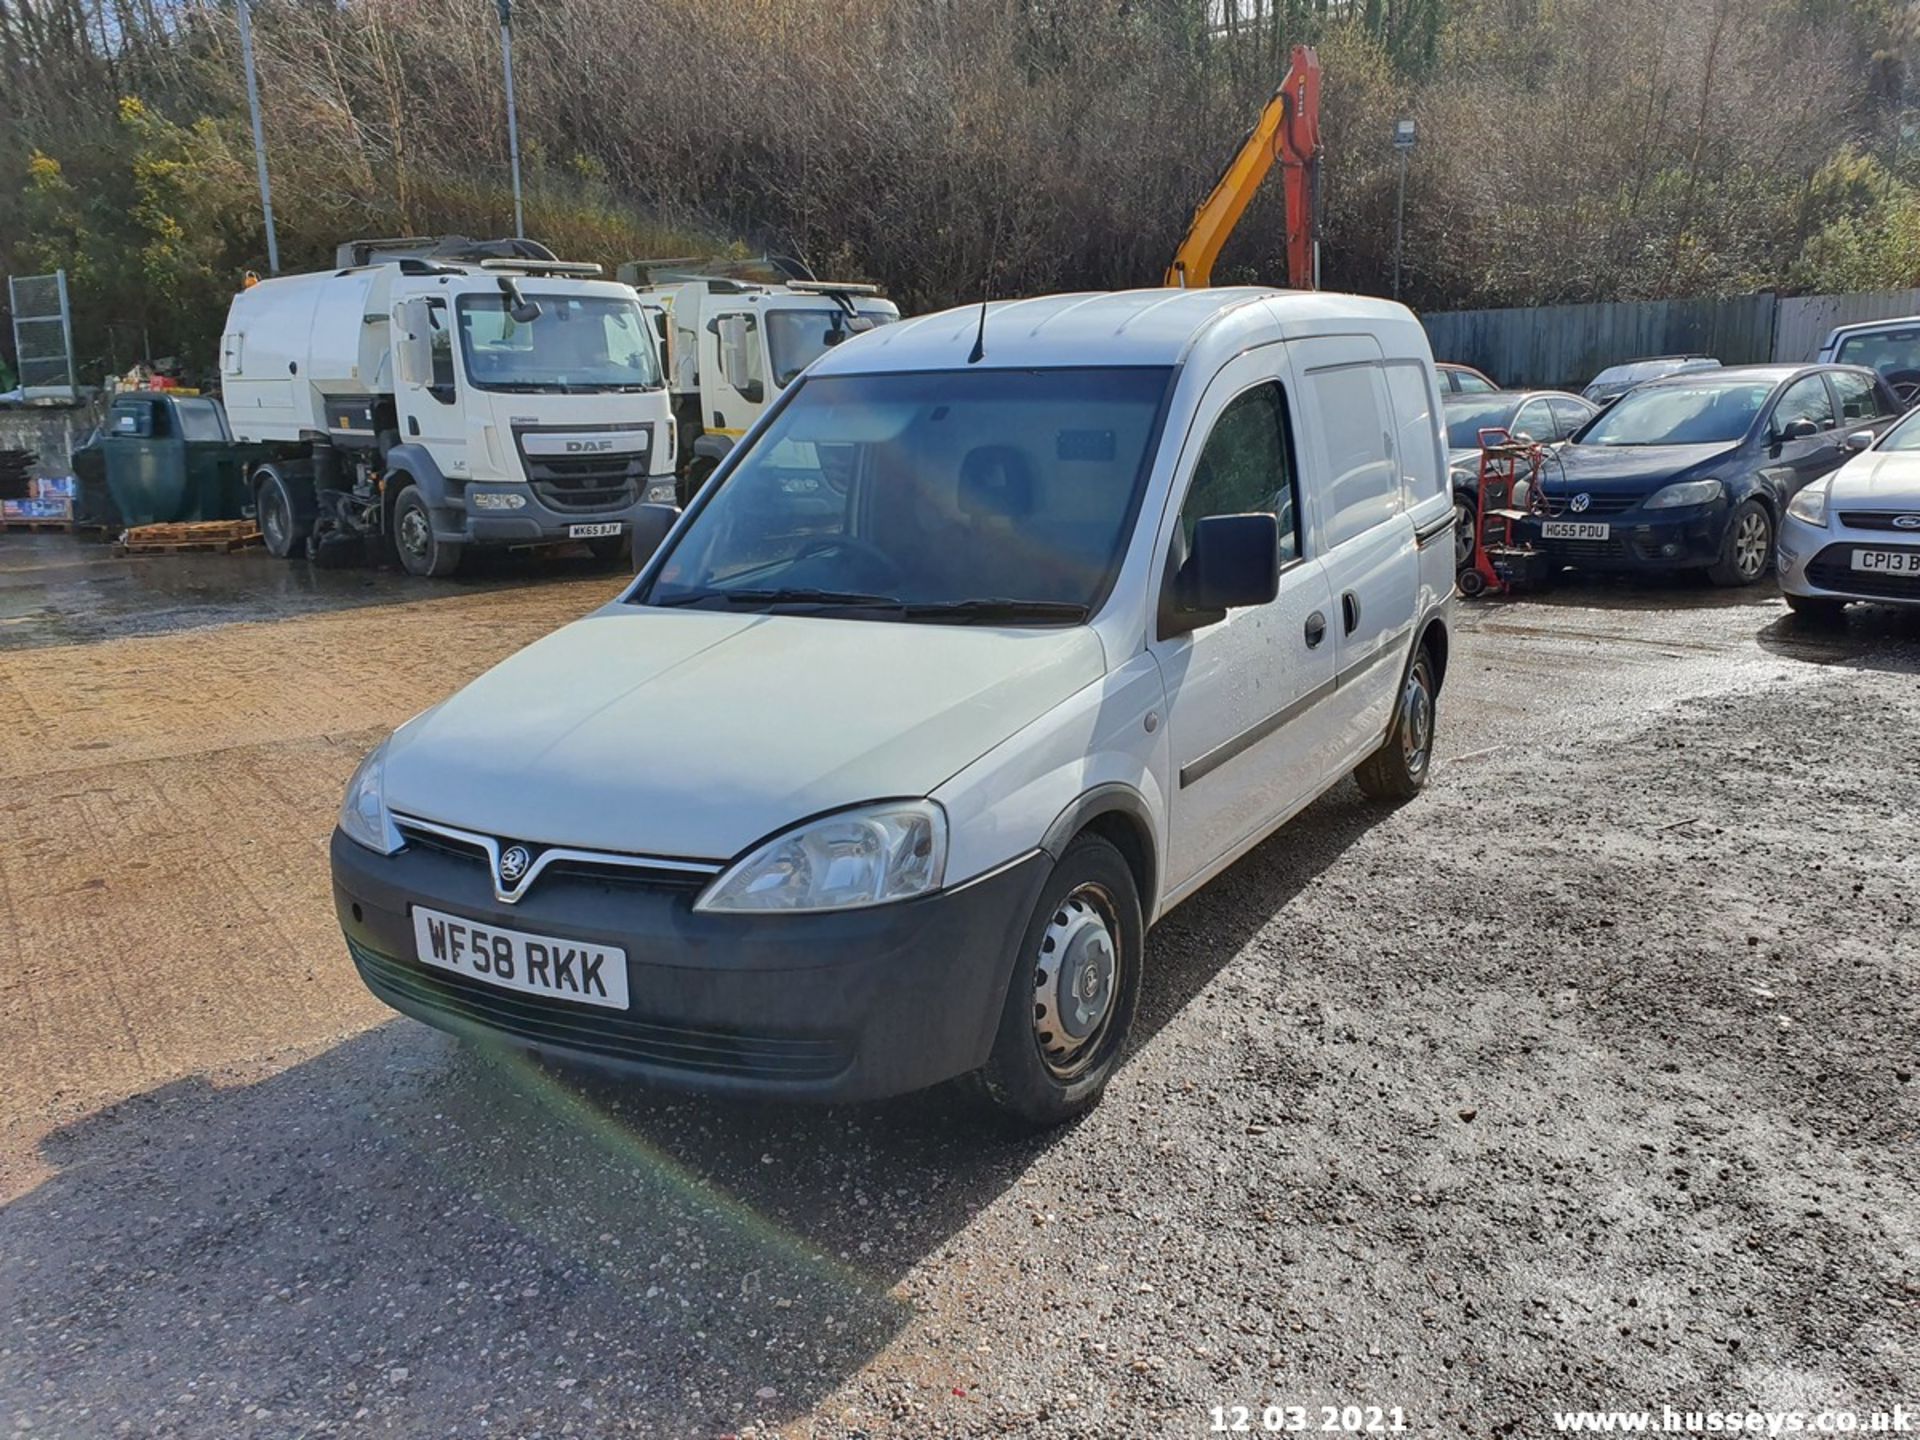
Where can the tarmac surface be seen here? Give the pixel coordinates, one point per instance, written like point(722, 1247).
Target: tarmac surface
point(1584, 1081)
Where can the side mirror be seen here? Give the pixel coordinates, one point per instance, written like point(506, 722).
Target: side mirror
point(1801, 429)
point(1859, 440)
point(413, 346)
point(650, 526)
point(1234, 562)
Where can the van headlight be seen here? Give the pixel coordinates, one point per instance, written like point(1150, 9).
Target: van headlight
point(363, 813)
point(1687, 492)
point(1810, 505)
point(844, 861)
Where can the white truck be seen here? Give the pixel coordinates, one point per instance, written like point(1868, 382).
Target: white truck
point(732, 345)
point(444, 394)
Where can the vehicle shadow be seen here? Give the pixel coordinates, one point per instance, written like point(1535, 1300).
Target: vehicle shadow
point(430, 1231)
point(1865, 637)
point(1688, 590)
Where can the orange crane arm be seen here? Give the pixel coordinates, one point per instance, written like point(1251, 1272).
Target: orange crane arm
point(1288, 130)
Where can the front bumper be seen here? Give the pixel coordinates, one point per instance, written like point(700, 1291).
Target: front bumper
point(462, 520)
point(1817, 561)
point(852, 1005)
point(1687, 538)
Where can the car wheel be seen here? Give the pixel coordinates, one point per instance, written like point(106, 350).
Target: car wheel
point(1817, 608)
point(413, 539)
point(1398, 769)
point(1465, 513)
point(1748, 547)
point(284, 525)
point(1075, 987)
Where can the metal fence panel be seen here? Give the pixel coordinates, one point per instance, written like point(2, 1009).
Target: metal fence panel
point(1805, 320)
point(1567, 345)
point(43, 337)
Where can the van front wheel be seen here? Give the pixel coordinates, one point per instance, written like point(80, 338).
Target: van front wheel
point(1075, 987)
point(1398, 769)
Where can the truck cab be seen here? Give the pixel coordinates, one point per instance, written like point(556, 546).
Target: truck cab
point(448, 394)
point(731, 346)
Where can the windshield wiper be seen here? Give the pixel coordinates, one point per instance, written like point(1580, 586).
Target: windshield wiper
point(798, 595)
point(996, 609)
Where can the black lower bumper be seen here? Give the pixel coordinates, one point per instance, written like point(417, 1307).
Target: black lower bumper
point(1689, 541)
point(852, 1005)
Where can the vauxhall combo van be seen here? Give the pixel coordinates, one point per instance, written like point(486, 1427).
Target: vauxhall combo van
point(1000, 634)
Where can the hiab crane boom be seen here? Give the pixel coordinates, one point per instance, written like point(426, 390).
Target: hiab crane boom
point(1288, 130)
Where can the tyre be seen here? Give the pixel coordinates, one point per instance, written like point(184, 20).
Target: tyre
point(1398, 769)
point(1818, 609)
point(1465, 513)
point(1074, 991)
point(610, 548)
point(413, 539)
point(1747, 549)
point(283, 508)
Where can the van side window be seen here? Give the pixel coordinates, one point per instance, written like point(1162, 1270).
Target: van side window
point(1245, 469)
point(1415, 442)
point(1363, 484)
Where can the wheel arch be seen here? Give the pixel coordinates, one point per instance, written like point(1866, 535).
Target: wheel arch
point(1119, 814)
point(1437, 640)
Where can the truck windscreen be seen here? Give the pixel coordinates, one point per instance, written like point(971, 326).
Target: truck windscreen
point(797, 338)
point(578, 343)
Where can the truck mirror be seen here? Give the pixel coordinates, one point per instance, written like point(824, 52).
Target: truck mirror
point(733, 351)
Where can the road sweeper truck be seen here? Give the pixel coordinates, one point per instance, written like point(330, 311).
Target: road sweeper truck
point(445, 394)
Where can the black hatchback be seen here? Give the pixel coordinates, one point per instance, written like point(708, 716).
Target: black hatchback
point(1694, 472)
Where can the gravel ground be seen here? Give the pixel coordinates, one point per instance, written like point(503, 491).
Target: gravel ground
point(1584, 1081)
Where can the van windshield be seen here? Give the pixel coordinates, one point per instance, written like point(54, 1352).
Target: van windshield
point(993, 496)
point(578, 343)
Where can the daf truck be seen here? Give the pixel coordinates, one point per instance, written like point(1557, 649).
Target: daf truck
point(445, 394)
point(732, 345)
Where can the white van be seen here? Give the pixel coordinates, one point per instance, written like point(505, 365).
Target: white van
point(1000, 634)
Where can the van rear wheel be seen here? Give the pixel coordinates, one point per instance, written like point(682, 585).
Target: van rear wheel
point(1398, 769)
point(1075, 988)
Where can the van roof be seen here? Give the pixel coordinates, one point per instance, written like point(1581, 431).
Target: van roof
point(1102, 327)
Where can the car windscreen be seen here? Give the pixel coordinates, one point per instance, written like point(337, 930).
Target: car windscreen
point(1894, 353)
point(578, 343)
point(1002, 495)
point(796, 338)
point(1677, 413)
point(1468, 415)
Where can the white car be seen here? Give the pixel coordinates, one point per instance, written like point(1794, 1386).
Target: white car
point(999, 635)
point(1856, 534)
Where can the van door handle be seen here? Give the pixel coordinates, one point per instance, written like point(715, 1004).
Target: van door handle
point(1316, 630)
point(1350, 611)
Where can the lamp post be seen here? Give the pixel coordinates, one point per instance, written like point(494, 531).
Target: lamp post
point(259, 136)
point(513, 124)
point(1404, 134)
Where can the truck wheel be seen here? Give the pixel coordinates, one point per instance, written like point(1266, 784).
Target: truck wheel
point(283, 509)
point(413, 539)
point(1075, 987)
point(1398, 769)
point(1748, 548)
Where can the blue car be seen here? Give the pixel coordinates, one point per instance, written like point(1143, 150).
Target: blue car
point(1694, 472)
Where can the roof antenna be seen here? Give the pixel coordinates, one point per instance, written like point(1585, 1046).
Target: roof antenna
point(979, 351)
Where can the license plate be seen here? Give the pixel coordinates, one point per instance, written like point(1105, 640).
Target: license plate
point(545, 965)
point(1575, 530)
point(595, 530)
point(1888, 562)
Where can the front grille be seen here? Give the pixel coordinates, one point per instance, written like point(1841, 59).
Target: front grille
point(1832, 569)
point(1596, 505)
point(616, 1035)
point(583, 483)
point(1880, 520)
point(1575, 552)
point(637, 877)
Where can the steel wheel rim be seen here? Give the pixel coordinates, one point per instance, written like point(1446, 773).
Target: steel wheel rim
point(1078, 973)
point(1416, 722)
point(1462, 534)
point(1750, 544)
point(414, 535)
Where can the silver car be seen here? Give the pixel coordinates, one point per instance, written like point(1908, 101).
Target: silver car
point(1856, 534)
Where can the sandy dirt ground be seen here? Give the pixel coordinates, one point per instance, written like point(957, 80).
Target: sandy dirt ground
point(1585, 1081)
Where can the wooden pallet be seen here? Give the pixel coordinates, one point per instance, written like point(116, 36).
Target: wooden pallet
point(218, 536)
point(22, 522)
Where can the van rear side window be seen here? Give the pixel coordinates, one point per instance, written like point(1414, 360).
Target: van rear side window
point(1421, 475)
point(1363, 484)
